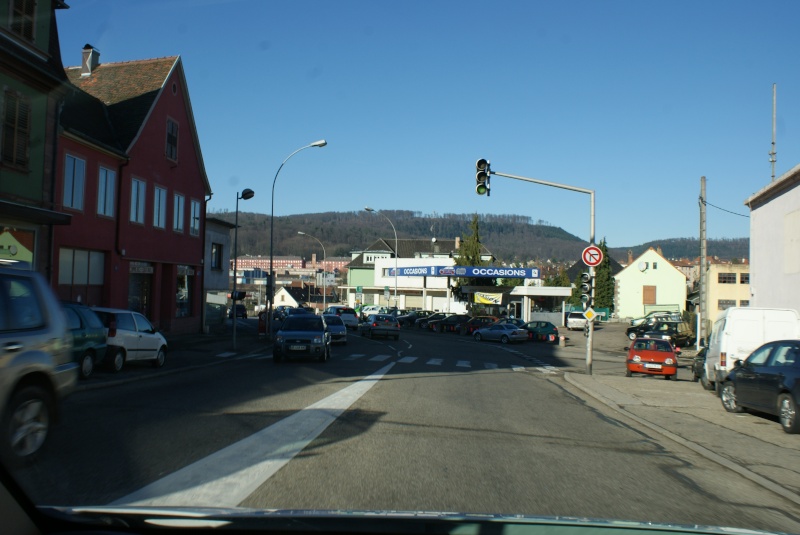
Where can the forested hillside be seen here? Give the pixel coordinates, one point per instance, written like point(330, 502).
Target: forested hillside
point(512, 238)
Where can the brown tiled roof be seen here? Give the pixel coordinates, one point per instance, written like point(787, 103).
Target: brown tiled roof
point(128, 89)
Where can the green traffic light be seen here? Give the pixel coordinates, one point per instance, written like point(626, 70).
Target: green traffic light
point(481, 189)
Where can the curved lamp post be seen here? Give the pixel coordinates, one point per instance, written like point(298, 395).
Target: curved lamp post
point(271, 294)
point(368, 209)
point(324, 282)
point(246, 194)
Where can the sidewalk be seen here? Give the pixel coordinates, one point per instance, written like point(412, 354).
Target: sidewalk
point(752, 445)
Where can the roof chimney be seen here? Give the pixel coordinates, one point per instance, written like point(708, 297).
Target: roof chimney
point(91, 59)
point(630, 257)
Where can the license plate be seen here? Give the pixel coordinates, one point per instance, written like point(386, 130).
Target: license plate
point(652, 366)
point(297, 348)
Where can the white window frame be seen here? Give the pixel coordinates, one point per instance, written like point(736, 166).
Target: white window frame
point(74, 181)
point(138, 200)
point(177, 212)
point(106, 180)
point(160, 207)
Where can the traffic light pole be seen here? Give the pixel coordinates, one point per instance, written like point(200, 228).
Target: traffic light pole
point(590, 334)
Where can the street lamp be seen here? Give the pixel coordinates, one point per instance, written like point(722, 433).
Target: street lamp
point(368, 209)
point(271, 286)
point(324, 282)
point(246, 194)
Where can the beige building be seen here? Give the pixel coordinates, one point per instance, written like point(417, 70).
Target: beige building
point(728, 286)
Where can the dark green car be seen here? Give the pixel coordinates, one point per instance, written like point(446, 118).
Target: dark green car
point(88, 337)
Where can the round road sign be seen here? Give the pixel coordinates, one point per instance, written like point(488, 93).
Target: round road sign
point(592, 256)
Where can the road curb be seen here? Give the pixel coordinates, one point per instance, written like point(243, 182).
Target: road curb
point(705, 452)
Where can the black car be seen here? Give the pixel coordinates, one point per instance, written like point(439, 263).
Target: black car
point(241, 312)
point(422, 323)
point(450, 324)
point(302, 335)
point(767, 381)
point(679, 333)
point(89, 339)
point(409, 318)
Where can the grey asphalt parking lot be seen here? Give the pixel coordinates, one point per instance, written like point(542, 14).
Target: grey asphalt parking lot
point(681, 411)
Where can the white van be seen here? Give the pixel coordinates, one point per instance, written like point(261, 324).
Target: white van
point(737, 332)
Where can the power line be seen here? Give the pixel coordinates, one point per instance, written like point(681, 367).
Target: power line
point(723, 209)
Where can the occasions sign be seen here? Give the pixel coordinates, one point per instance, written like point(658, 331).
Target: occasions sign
point(467, 271)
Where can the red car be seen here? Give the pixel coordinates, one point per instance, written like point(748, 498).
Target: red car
point(652, 356)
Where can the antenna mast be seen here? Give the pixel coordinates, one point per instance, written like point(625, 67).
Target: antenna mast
point(772, 153)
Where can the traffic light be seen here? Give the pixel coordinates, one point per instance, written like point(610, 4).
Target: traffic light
point(482, 174)
point(586, 290)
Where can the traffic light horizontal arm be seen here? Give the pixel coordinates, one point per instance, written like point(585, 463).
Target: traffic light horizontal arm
point(545, 183)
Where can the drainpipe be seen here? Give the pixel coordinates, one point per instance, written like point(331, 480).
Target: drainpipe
point(203, 267)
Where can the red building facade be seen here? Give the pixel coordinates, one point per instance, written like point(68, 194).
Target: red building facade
point(131, 174)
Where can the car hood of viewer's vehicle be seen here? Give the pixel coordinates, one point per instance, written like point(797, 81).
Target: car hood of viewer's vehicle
point(328, 521)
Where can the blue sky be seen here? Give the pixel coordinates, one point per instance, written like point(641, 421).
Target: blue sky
point(635, 100)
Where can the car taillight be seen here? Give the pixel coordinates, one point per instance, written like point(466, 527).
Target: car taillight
point(374, 323)
point(723, 359)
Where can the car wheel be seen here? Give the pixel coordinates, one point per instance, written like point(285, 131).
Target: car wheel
point(87, 365)
point(667, 377)
point(787, 414)
point(477, 337)
point(628, 373)
point(117, 361)
point(728, 396)
point(632, 336)
point(26, 424)
point(504, 339)
point(708, 385)
point(161, 357)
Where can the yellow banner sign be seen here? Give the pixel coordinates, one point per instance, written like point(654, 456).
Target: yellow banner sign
point(488, 299)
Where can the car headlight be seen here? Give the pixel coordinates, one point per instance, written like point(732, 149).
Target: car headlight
point(317, 339)
point(637, 358)
point(279, 339)
point(669, 362)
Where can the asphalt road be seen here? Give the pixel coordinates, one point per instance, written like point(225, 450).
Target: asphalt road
point(432, 422)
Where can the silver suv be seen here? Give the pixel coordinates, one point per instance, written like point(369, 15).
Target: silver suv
point(576, 321)
point(36, 365)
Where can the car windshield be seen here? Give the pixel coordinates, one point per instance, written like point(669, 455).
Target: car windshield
point(303, 323)
point(513, 191)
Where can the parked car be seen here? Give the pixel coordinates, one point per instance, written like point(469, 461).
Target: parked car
point(502, 332)
point(348, 315)
point(302, 335)
point(656, 315)
point(450, 324)
point(517, 322)
point(652, 356)
point(381, 325)
point(575, 321)
point(422, 323)
point(336, 327)
point(366, 310)
point(37, 369)
point(475, 323)
point(131, 337)
point(541, 330)
point(679, 333)
point(408, 319)
point(88, 337)
point(241, 311)
point(767, 381)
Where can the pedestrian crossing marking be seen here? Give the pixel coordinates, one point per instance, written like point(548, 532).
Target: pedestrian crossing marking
point(490, 365)
point(407, 360)
point(380, 358)
point(435, 362)
point(463, 364)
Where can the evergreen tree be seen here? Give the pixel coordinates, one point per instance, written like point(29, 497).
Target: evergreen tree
point(470, 255)
point(603, 281)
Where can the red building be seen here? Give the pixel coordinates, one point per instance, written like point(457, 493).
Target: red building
point(131, 174)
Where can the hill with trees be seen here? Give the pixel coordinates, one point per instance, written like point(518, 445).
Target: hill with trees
point(511, 238)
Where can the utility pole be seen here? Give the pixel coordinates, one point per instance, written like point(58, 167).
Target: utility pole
point(703, 274)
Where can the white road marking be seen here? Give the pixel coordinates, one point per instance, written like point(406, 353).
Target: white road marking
point(380, 358)
point(407, 360)
point(435, 362)
point(229, 476)
point(490, 365)
point(516, 368)
point(463, 364)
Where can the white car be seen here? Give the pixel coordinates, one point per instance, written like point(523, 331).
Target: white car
point(131, 337)
point(348, 314)
point(576, 321)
